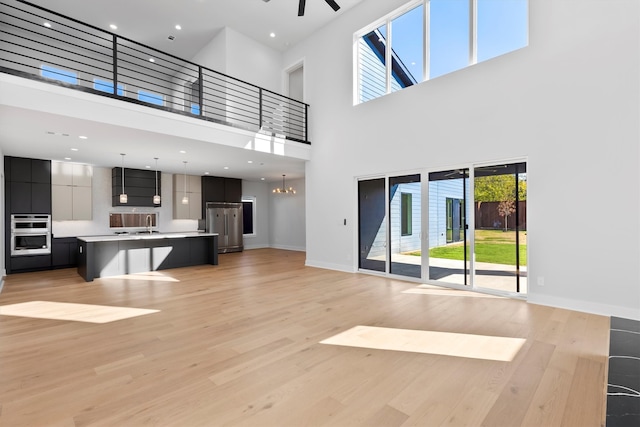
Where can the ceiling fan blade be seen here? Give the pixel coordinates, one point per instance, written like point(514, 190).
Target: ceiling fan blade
point(301, 6)
point(333, 4)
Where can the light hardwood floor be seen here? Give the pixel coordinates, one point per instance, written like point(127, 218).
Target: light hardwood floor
point(239, 344)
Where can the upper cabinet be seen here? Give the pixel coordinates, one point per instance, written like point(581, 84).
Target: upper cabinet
point(28, 185)
point(191, 188)
point(219, 189)
point(71, 194)
point(139, 186)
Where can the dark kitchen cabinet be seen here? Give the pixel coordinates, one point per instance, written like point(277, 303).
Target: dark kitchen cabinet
point(139, 185)
point(28, 185)
point(29, 198)
point(219, 189)
point(232, 190)
point(213, 189)
point(27, 191)
point(64, 252)
point(24, 263)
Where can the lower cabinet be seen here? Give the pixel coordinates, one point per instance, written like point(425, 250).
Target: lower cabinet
point(26, 263)
point(64, 252)
point(115, 258)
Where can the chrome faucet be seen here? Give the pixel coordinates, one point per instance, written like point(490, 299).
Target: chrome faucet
point(148, 223)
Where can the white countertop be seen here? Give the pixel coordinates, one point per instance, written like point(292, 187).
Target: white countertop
point(144, 236)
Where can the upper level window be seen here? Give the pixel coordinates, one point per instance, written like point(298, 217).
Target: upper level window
point(428, 38)
point(150, 97)
point(59, 74)
point(107, 86)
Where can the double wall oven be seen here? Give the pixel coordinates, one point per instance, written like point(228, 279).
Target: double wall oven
point(30, 234)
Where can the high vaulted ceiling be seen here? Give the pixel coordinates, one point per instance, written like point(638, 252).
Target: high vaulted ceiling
point(151, 22)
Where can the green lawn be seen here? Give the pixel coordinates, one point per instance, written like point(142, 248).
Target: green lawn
point(494, 246)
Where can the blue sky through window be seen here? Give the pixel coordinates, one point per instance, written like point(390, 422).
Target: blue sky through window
point(107, 86)
point(502, 26)
point(59, 74)
point(150, 97)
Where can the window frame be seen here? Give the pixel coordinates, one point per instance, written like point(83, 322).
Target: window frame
point(426, 72)
point(254, 209)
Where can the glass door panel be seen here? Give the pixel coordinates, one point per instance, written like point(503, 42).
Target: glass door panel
point(405, 213)
point(448, 240)
point(500, 227)
point(372, 229)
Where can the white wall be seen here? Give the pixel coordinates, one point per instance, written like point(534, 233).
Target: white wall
point(568, 103)
point(241, 57)
point(287, 215)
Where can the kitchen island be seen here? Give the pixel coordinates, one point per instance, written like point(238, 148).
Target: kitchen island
point(118, 254)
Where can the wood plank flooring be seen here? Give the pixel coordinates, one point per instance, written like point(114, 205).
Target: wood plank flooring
point(238, 344)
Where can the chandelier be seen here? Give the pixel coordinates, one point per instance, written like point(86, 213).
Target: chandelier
point(284, 189)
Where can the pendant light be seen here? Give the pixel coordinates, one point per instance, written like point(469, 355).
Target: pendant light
point(123, 195)
point(284, 190)
point(185, 199)
point(156, 197)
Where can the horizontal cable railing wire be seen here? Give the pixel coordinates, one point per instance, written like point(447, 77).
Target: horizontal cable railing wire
point(40, 44)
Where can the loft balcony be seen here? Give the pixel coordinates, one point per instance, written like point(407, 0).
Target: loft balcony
point(40, 44)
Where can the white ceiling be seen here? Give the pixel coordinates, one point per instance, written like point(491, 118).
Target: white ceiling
point(24, 133)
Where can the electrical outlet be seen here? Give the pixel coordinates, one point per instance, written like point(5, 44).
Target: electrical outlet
point(540, 281)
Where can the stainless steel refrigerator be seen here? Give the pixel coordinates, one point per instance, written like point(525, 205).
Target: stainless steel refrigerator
point(226, 220)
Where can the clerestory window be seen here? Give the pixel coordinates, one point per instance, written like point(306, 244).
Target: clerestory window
point(429, 38)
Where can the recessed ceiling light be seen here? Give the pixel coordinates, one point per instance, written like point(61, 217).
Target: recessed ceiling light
point(82, 137)
point(226, 167)
point(249, 161)
point(74, 149)
point(113, 26)
point(67, 158)
point(272, 35)
point(206, 173)
point(152, 60)
point(178, 27)
point(46, 24)
point(183, 152)
point(147, 167)
point(261, 179)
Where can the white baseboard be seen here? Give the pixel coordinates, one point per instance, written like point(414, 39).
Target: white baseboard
point(289, 248)
point(585, 306)
point(329, 266)
point(249, 247)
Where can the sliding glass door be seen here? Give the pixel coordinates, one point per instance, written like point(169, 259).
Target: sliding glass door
point(448, 239)
point(372, 229)
point(475, 218)
point(500, 239)
point(405, 216)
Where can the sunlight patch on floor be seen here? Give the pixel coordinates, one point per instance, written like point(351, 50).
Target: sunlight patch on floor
point(437, 290)
point(149, 276)
point(430, 342)
point(75, 312)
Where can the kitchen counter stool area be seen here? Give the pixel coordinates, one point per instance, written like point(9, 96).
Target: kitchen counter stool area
point(104, 256)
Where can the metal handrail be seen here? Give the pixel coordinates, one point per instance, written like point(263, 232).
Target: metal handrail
point(83, 57)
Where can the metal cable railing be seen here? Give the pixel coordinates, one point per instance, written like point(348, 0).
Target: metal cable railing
point(40, 44)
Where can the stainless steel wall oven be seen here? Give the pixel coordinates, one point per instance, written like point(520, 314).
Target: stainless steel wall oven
point(30, 234)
